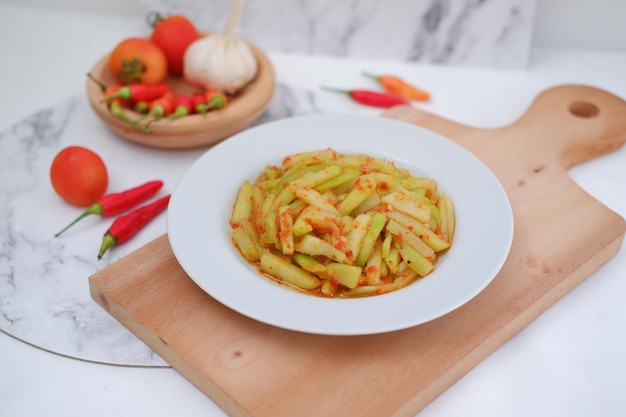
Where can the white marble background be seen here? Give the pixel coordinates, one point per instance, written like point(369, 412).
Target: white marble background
point(484, 33)
point(44, 288)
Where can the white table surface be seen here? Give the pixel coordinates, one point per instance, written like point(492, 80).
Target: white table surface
point(570, 361)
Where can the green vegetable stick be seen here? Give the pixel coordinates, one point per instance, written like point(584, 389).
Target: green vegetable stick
point(348, 275)
point(314, 246)
point(344, 177)
point(245, 244)
point(308, 263)
point(282, 269)
point(414, 260)
point(363, 187)
point(376, 226)
point(243, 204)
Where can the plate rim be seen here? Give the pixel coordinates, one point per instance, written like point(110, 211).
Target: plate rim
point(305, 301)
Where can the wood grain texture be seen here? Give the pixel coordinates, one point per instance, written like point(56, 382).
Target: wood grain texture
point(562, 235)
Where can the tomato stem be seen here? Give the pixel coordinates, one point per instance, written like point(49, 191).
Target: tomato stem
point(154, 18)
point(131, 71)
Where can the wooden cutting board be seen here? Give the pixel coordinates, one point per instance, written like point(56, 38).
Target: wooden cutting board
point(562, 235)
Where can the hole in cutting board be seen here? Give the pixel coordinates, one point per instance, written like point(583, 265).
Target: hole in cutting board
point(584, 109)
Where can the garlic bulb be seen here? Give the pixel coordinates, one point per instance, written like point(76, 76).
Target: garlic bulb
point(221, 61)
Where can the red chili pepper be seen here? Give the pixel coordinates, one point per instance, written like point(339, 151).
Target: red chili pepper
point(371, 98)
point(116, 203)
point(116, 105)
point(163, 105)
point(160, 108)
point(127, 226)
point(183, 107)
point(138, 92)
point(398, 87)
point(214, 100)
point(198, 100)
point(116, 108)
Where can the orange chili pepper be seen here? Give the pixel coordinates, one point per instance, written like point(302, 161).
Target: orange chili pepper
point(211, 94)
point(400, 88)
point(214, 101)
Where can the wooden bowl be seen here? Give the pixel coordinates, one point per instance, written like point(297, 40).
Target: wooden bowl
point(195, 130)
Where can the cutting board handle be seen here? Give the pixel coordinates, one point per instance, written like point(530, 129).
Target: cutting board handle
point(577, 122)
point(566, 125)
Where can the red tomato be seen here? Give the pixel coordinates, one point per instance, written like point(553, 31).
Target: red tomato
point(138, 60)
point(173, 35)
point(79, 176)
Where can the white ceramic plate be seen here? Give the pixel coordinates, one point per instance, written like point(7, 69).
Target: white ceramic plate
point(201, 205)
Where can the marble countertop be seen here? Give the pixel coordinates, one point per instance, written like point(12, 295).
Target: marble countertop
point(569, 361)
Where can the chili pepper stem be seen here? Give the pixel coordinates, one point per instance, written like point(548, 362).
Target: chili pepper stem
point(94, 209)
point(372, 76)
point(108, 241)
point(142, 118)
point(216, 103)
point(97, 81)
point(123, 92)
point(157, 113)
point(141, 107)
point(117, 111)
point(180, 112)
point(336, 90)
point(158, 116)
